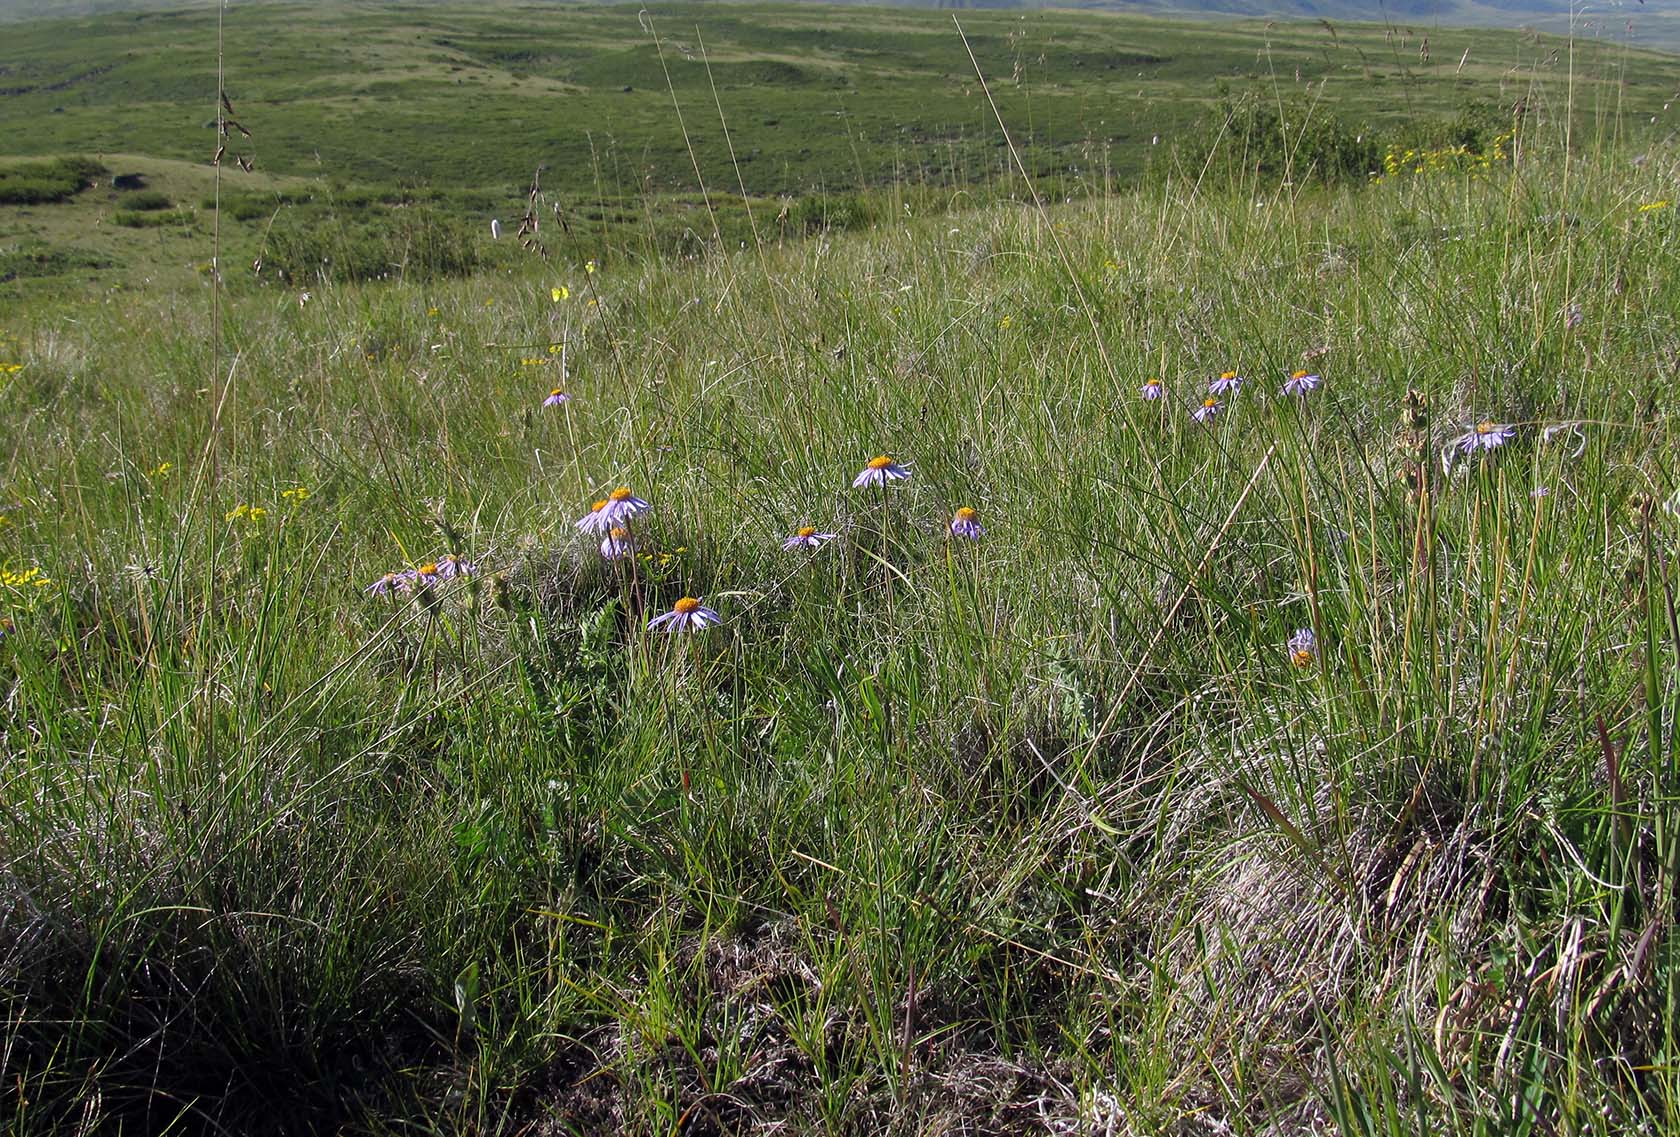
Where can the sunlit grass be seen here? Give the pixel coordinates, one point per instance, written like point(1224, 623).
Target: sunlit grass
point(1056, 826)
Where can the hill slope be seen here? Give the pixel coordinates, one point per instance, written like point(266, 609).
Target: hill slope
point(1639, 24)
point(814, 95)
point(377, 130)
point(1070, 829)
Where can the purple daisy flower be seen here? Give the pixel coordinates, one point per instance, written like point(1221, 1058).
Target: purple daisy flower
point(1486, 435)
point(1151, 389)
point(881, 470)
point(1300, 382)
point(685, 615)
point(1303, 648)
point(556, 397)
point(450, 566)
point(1228, 383)
point(965, 524)
point(808, 538)
point(593, 521)
point(617, 544)
point(426, 575)
point(389, 583)
point(622, 506)
point(1207, 411)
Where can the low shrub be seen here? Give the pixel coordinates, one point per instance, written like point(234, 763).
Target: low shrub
point(42, 183)
point(415, 242)
point(130, 219)
point(146, 201)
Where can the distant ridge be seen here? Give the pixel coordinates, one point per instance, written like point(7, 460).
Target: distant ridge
point(1650, 25)
point(1640, 24)
point(1653, 25)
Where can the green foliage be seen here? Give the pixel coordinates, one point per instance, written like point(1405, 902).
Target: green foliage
point(148, 220)
point(1250, 138)
point(837, 212)
point(36, 260)
point(415, 242)
point(41, 183)
point(145, 201)
point(387, 858)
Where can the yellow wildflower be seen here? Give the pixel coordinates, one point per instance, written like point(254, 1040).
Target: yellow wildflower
point(31, 577)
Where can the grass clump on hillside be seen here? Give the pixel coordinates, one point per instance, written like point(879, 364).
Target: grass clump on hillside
point(147, 219)
point(42, 183)
point(1246, 758)
point(145, 201)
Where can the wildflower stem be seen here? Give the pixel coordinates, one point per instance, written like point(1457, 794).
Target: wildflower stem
point(886, 564)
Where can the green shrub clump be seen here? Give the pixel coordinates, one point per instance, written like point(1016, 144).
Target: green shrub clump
point(146, 201)
point(42, 183)
point(130, 219)
point(415, 242)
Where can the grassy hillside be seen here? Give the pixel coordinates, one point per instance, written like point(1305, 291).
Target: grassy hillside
point(376, 130)
point(1067, 828)
point(1639, 25)
point(816, 96)
point(1256, 710)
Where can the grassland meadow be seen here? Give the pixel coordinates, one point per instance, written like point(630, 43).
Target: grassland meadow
point(1198, 658)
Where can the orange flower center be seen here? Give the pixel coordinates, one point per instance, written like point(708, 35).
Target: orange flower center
point(1227, 374)
point(807, 530)
point(880, 462)
point(966, 514)
point(1151, 382)
point(1303, 657)
point(619, 533)
point(1299, 375)
point(556, 391)
point(621, 493)
point(687, 605)
point(598, 506)
point(1210, 403)
point(1486, 427)
point(428, 570)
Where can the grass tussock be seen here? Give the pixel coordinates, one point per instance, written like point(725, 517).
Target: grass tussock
point(1309, 764)
point(45, 182)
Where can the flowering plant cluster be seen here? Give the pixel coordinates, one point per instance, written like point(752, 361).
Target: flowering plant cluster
point(611, 519)
point(1296, 384)
point(407, 581)
point(1461, 159)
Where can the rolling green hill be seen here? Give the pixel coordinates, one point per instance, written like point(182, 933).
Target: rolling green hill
point(1638, 24)
point(816, 96)
point(654, 125)
point(1195, 655)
